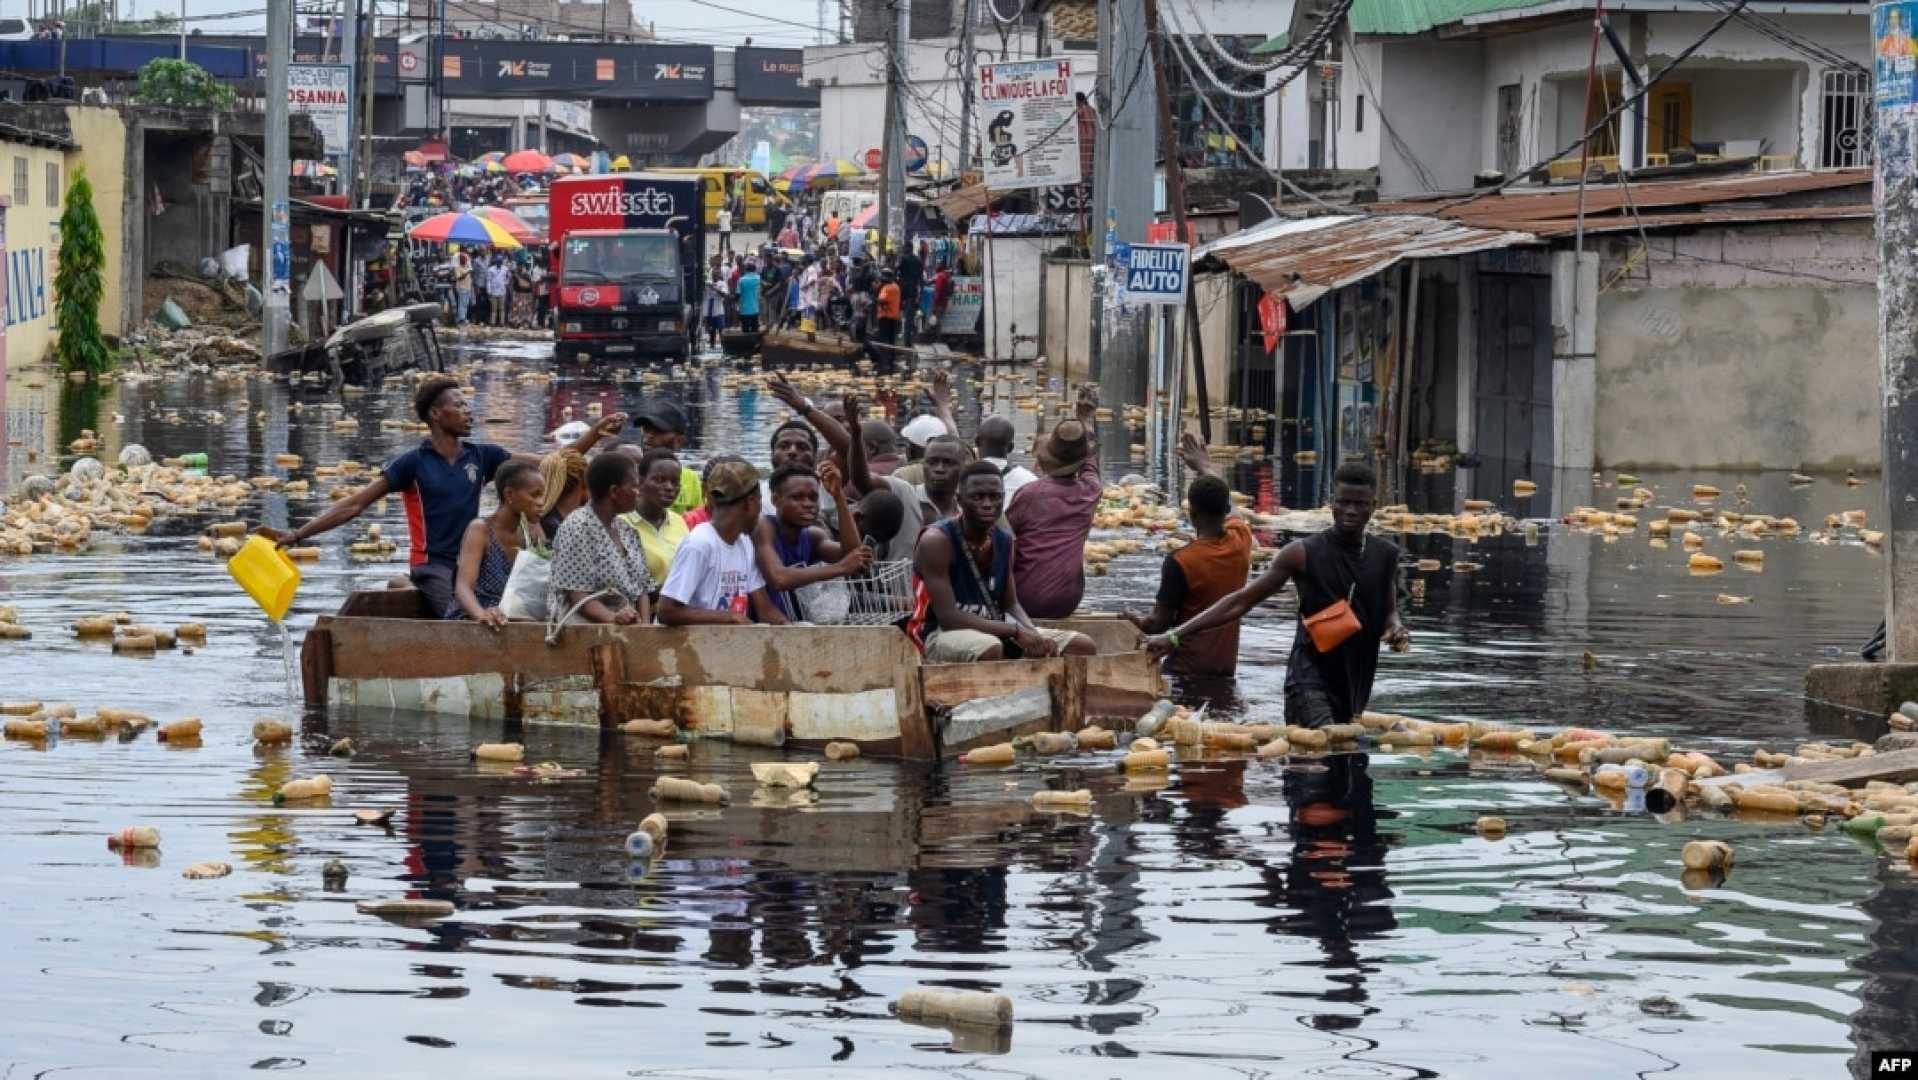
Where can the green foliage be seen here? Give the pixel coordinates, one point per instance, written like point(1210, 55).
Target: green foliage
point(80, 283)
point(182, 84)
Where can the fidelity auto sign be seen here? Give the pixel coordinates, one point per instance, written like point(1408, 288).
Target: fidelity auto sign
point(325, 93)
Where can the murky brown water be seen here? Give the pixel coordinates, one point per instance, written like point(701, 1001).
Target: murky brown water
point(1336, 920)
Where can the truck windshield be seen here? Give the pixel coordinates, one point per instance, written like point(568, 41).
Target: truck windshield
point(620, 258)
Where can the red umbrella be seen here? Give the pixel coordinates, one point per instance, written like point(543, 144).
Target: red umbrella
point(527, 161)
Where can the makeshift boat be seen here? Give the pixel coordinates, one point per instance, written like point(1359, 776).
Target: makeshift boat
point(783, 349)
point(739, 343)
point(763, 685)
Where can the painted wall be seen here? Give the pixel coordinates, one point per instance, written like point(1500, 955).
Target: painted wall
point(33, 247)
point(1719, 365)
point(102, 135)
point(1428, 110)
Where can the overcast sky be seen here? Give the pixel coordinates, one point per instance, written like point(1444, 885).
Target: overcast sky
point(708, 22)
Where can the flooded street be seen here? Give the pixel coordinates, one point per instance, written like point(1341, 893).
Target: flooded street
point(1336, 918)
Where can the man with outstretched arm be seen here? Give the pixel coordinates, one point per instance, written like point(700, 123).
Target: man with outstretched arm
point(966, 604)
point(440, 482)
point(1328, 680)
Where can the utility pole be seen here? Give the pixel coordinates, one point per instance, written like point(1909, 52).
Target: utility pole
point(363, 127)
point(1175, 198)
point(1896, 188)
point(350, 52)
point(182, 31)
point(1122, 203)
point(967, 78)
point(892, 150)
point(276, 267)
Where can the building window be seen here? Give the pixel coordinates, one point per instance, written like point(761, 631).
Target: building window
point(1202, 143)
point(1844, 136)
point(19, 181)
point(1358, 115)
point(53, 183)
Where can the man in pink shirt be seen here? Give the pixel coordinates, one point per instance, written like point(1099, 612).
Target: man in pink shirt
point(1051, 517)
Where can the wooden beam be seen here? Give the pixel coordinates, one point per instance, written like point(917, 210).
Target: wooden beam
point(1896, 767)
point(609, 675)
point(316, 665)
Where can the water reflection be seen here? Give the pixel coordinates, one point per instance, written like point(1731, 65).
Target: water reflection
point(1328, 918)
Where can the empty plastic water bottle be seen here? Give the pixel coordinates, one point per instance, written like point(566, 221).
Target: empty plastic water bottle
point(1154, 719)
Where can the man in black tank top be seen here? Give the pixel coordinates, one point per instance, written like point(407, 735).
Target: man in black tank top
point(1341, 565)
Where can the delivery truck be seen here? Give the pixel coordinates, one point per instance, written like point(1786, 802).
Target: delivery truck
point(627, 250)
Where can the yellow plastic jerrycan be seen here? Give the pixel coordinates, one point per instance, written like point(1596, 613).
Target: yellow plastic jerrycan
point(266, 574)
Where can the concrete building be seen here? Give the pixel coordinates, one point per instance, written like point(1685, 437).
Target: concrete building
point(852, 81)
point(40, 153)
point(1714, 322)
point(1432, 94)
point(604, 20)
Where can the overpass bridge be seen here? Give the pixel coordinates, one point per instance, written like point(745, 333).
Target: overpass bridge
point(657, 101)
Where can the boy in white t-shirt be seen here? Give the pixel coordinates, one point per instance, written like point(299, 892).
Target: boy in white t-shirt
point(715, 580)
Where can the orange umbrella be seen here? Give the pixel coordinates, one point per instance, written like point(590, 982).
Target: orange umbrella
point(527, 161)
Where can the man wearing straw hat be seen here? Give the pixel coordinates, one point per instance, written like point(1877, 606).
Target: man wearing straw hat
point(1052, 516)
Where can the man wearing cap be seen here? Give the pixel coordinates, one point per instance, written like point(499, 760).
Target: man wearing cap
point(715, 579)
point(439, 482)
point(921, 430)
point(1052, 516)
point(663, 424)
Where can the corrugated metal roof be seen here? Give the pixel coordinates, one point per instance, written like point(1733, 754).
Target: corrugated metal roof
point(1770, 215)
point(1554, 211)
point(1304, 258)
point(1398, 17)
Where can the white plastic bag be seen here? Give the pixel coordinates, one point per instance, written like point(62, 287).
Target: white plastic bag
point(525, 595)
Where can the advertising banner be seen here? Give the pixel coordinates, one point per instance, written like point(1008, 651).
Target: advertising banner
point(1028, 124)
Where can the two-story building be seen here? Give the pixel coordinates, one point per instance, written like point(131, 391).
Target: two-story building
point(1434, 92)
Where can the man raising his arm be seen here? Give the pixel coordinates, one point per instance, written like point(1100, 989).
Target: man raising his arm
point(1341, 565)
point(439, 481)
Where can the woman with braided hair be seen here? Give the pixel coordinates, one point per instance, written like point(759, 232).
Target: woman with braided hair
point(565, 474)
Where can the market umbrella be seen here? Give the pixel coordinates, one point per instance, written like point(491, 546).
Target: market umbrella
point(495, 167)
point(515, 226)
point(492, 156)
point(527, 161)
point(463, 229)
point(414, 159)
point(863, 219)
point(622, 163)
point(571, 161)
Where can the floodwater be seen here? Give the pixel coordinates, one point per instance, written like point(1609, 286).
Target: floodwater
point(1340, 919)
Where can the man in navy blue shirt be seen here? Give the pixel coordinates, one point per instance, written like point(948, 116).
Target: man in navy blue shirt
point(439, 482)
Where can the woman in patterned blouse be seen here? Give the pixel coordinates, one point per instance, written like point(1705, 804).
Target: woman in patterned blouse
point(597, 553)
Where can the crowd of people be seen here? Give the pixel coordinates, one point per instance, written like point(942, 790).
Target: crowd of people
point(825, 274)
point(625, 532)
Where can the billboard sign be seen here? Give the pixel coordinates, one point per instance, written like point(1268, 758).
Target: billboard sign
point(1028, 124)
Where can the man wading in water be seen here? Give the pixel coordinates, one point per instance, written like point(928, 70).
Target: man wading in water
point(1328, 680)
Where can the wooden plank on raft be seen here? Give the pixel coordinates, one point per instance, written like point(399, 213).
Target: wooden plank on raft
point(947, 685)
point(609, 675)
point(316, 664)
point(1896, 767)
